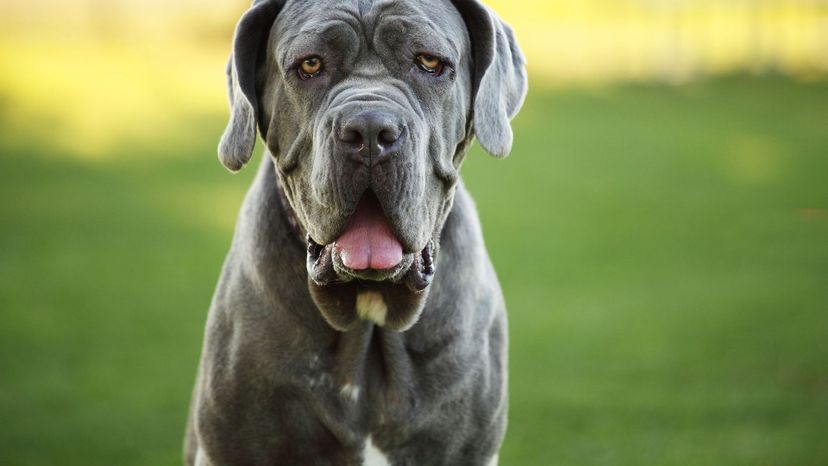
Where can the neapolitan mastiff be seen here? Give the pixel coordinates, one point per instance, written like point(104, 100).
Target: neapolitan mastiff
point(358, 319)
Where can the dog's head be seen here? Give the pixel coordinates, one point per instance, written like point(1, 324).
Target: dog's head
point(367, 108)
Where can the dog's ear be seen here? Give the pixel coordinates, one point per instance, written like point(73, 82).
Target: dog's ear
point(239, 137)
point(499, 83)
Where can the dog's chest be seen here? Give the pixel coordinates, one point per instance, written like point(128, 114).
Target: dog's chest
point(371, 394)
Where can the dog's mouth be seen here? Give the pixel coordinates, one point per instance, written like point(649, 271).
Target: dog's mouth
point(368, 250)
point(368, 241)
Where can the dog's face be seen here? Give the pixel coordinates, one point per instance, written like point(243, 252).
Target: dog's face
point(377, 102)
point(367, 108)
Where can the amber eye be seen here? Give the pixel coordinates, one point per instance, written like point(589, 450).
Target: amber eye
point(430, 64)
point(310, 67)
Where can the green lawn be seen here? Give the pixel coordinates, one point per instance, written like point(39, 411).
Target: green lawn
point(663, 250)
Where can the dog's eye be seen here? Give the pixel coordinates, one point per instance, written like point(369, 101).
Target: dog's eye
point(310, 68)
point(430, 64)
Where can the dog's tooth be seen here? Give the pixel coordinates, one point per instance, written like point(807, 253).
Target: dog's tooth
point(427, 259)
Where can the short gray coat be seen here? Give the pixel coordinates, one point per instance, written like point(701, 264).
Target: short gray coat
point(292, 372)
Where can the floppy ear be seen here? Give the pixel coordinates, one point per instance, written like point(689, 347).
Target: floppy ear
point(499, 83)
point(239, 137)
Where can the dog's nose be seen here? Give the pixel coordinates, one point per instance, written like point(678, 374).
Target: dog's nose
point(374, 136)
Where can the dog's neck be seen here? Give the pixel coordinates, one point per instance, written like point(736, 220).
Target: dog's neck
point(385, 365)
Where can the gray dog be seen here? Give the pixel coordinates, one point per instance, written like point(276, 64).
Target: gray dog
point(358, 319)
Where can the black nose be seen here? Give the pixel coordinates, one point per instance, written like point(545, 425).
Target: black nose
point(373, 136)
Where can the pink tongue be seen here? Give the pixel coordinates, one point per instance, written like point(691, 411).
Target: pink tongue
point(368, 242)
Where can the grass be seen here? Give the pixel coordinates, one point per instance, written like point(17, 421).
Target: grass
point(664, 254)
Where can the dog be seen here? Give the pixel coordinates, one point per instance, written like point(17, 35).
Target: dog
point(358, 318)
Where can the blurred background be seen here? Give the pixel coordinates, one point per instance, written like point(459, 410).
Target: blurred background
point(660, 231)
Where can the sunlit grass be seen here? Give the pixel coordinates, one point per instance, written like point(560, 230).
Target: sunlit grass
point(89, 97)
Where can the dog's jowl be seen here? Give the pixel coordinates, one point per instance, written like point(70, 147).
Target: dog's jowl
point(358, 319)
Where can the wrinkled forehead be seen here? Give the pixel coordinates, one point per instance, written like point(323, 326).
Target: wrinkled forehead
point(433, 26)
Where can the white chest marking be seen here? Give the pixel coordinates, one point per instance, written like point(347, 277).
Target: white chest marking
point(371, 456)
point(493, 461)
point(371, 306)
point(200, 460)
point(350, 391)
